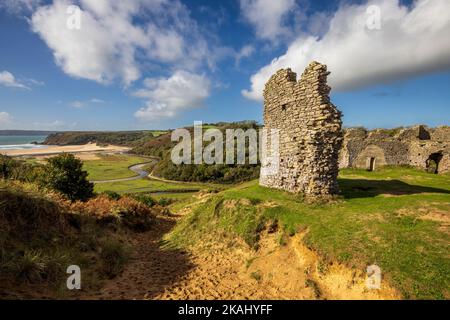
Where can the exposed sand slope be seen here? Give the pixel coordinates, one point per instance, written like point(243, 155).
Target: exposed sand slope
point(225, 268)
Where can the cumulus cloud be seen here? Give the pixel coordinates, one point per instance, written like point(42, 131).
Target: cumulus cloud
point(410, 42)
point(102, 49)
point(7, 79)
point(112, 45)
point(166, 97)
point(5, 119)
point(266, 16)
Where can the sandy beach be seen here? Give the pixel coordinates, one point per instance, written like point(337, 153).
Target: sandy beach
point(53, 150)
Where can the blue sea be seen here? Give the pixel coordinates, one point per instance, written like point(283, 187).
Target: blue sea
point(21, 142)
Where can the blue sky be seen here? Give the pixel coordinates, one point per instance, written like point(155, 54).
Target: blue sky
point(155, 64)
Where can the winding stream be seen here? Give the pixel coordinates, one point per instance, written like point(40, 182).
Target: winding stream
point(137, 168)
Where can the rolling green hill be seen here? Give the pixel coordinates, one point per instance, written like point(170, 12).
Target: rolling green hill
point(396, 218)
point(121, 138)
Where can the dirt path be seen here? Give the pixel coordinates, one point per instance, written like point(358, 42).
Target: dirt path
point(151, 268)
point(156, 273)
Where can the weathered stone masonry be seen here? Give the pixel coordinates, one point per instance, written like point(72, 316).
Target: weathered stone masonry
point(310, 131)
point(417, 146)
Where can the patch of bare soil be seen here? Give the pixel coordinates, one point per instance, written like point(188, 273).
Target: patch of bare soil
point(296, 272)
point(436, 215)
point(151, 269)
point(222, 267)
point(228, 269)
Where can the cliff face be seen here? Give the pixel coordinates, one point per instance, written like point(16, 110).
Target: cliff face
point(418, 146)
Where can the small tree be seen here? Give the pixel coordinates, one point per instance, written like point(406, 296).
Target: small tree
point(7, 166)
point(65, 174)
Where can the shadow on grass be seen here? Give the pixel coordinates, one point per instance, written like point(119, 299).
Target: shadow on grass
point(365, 188)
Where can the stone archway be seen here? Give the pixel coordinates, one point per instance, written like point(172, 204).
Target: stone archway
point(433, 161)
point(370, 158)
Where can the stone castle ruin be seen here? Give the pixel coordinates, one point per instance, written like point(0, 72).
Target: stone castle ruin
point(313, 147)
point(310, 134)
point(417, 146)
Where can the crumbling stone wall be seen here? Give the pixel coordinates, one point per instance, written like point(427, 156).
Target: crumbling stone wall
point(403, 146)
point(372, 151)
point(310, 134)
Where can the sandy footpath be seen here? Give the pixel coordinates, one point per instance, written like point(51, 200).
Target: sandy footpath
point(51, 150)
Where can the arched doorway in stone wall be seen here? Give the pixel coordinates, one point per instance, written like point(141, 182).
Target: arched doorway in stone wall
point(371, 158)
point(371, 163)
point(432, 163)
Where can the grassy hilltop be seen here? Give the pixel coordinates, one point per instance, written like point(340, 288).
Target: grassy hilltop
point(396, 218)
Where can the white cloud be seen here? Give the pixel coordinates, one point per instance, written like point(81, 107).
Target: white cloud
point(245, 52)
point(95, 100)
point(5, 119)
point(19, 6)
point(77, 104)
point(111, 45)
point(102, 49)
point(34, 82)
point(81, 104)
point(410, 42)
point(169, 96)
point(266, 16)
point(7, 79)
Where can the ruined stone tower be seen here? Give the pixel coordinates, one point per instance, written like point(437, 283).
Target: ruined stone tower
point(310, 135)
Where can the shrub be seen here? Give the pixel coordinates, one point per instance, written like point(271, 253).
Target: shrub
point(111, 195)
point(145, 199)
point(132, 213)
point(164, 202)
point(114, 256)
point(7, 166)
point(64, 174)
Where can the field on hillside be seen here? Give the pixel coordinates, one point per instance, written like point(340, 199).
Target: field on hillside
point(111, 166)
point(396, 218)
point(147, 185)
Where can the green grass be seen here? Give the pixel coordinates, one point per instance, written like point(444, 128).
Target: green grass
point(110, 167)
point(149, 185)
point(40, 238)
point(378, 219)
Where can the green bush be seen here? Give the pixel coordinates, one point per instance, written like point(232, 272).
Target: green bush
point(64, 174)
point(112, 195)
point(145, 199)
point(7, 167)
point(164, 202)
point(20, 170)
